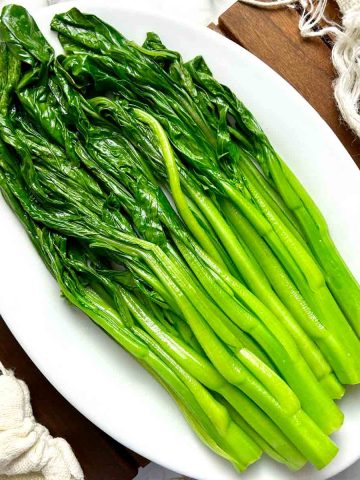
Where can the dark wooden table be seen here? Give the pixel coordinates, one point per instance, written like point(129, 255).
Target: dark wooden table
point(272, 36)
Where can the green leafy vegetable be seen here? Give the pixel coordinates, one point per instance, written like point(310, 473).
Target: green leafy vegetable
point(137, 177)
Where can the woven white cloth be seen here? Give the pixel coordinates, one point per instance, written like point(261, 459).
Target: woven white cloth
point(28, 476)
point(25, 445)
point(347, 5)
point(346, 60)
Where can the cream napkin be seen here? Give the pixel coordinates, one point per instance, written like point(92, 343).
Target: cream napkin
point(25, 445)
point(29, 476)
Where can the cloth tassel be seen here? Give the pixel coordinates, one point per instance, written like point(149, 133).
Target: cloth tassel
point(346, 60)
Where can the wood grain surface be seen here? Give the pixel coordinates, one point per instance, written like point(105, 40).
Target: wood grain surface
point(272, 36)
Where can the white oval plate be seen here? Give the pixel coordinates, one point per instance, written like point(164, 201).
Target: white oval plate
point(86, 366)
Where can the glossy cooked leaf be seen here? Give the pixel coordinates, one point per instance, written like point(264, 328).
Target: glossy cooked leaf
point(177, 70)
point(77, 25)
point(24, 39)
point(53, 156)
point(223, 97)
point(19, 28)
point(9, 76)
point(127, 61)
